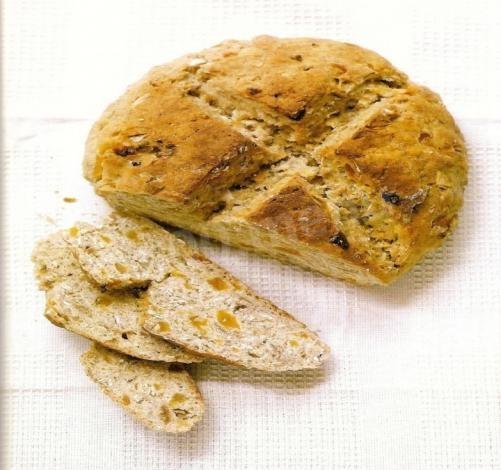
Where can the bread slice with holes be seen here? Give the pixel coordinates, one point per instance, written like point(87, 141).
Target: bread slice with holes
point(163, 397)
point(75, 302)
point(197, 305)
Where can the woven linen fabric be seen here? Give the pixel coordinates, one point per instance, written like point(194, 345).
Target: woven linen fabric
point(415, 376)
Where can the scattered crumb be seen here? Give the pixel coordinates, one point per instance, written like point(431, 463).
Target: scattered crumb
point(70, 199)
point(48, 219)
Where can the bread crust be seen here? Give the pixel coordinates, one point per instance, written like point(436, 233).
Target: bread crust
point(376, 164)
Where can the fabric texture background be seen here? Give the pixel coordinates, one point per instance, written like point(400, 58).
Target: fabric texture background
point(415, 377)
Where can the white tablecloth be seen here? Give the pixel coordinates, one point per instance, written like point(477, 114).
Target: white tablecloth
point(415, 377)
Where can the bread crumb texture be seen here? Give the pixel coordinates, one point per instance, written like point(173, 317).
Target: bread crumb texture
point(312, 151)
point(80, 305)
point(134, 287)
point(163, 397)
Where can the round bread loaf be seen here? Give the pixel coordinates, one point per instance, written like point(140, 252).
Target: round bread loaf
point(314, 152)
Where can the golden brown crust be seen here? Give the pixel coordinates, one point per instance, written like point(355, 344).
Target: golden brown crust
point(294, 212)
point(292, 76)
point(207, 141)
point(172, 156)
point(411, 154)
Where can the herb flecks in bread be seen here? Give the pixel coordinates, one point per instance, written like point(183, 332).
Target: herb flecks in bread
point(334, 161)
point(163, 397)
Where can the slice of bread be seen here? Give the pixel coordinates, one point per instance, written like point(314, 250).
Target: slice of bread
point(209, 312)
point(163, 397)
point(76, 303)
point(198, 305)
point(125, 251)
point(53, 261)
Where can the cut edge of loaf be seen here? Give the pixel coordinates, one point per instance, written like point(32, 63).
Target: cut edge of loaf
point(291, 251)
